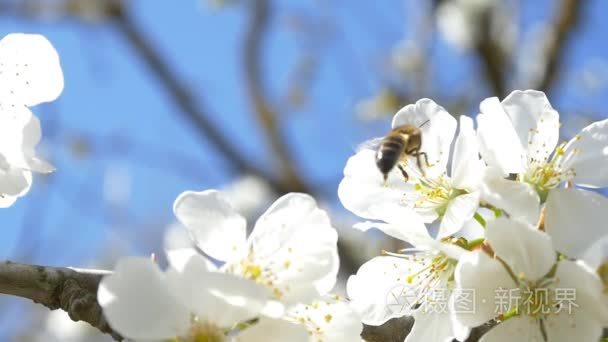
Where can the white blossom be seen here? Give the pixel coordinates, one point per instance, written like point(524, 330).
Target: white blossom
point(143, 303)
point(30, 74)
point(292, 249)
point(520, 136)
point(523, 287)
point(410, 283)
point(429, 193)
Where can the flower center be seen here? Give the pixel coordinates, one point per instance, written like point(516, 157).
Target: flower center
point(545, 174)
point(250, 269)
point(434, 272)
point(202, 331)
point(430, 194)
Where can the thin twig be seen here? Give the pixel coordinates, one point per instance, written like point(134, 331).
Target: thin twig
point(189, 106)
point(266, 114)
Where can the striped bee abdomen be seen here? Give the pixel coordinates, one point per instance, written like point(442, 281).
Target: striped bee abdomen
point(389, 152)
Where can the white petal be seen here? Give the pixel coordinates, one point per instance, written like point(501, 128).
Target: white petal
point(273, 330)
point(223, 299)
point(527, 251)
point(433, 326)
point(587, 287)
point(587, 154)
point(363, 191)
point(16, 134)
point(437, 134)
point(329, 320)
point(213, 224)
point(305, 266)
point(179, 248)
point(291, 214)
point(483, 275)
point(520, 200)
point(31, 137)
point(138, 304)
point(535, 121)
point(14, 181)
point(499, 144)
point(379, 291)
point(459, 210)
point(597, 254)
point(30, 69)
point(403, 223)
point(467, 168)
point(575, 327)
point(518, 328)
point(574, 219)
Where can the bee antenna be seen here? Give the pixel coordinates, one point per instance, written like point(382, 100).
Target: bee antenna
point(424, 123)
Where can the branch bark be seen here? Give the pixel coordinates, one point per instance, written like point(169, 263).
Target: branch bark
point(72, 290)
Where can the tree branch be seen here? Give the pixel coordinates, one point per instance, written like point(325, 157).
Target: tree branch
point(266, 114)
point(567, 18)
point(72, 290)
point(188, 105)
point(491, 55)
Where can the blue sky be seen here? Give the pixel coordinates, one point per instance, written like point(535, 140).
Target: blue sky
point(112, 101)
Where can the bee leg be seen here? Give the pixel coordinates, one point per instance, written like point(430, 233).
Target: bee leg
point(406, 177)
point(426, 160)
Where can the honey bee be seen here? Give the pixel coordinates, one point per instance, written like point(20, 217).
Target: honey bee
point(398, 144)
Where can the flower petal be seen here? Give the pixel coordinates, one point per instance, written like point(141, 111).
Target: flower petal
point(14, 181)
point(223, 299)
point(329, 320)
point(587, 155)
point(587, 287)
point(574, 219)
point(138, 304)
point(402, 223)
point(597, 254)
point(575, 327)
point(31, 137)
point(363, 191)
point(527, 251)
point(437, 134)
point(273, 330)
point(459, 210)
point(213, 225)
point(379, 291)
point(305, 266)
point(467, 168)
point(478, 272)
point(499, 144)
point(291, 214)
point(535, 121)
point(29, 68)
point(520, 200)
point(434, 326)
point(518, 328)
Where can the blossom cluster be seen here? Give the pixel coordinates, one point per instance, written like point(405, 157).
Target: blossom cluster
point(221, 285)
point(30, 74)
point(514, 216)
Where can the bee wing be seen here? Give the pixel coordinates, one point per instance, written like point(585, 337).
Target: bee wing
point(371, 144)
